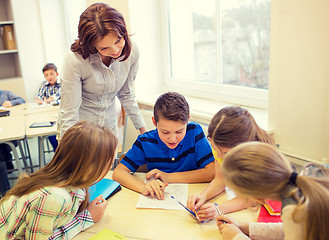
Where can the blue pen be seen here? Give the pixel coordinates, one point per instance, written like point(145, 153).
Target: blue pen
point(193, 213)
point(219, 212)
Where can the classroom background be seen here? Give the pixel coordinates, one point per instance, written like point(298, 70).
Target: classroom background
point(297, 110)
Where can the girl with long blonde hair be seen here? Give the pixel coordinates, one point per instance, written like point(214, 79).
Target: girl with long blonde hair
point(53, 202)
point(259, 171)
point(229, 127)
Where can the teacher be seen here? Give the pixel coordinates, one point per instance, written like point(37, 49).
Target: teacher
point(101, 65)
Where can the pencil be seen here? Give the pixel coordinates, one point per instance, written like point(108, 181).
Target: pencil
point(219, 212)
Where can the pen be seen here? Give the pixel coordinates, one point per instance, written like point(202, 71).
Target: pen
point(219, 212)
point(193, 213)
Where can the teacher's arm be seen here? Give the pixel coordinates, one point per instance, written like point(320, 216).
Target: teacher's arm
point(71, 92)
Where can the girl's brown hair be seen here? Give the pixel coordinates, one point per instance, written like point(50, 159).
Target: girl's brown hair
point(83, 156)
point(234, 125)
point(260, 171)
point(95, 23)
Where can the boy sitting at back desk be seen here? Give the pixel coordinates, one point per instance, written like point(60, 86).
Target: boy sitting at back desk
point(175, 152)
point(50, 90)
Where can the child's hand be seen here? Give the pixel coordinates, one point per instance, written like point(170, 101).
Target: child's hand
point(194, 202)
point(38, 100)
point(157, 174)
point(7, 104)
point(97, 208)
point(207, 211)
point(155, 188)
point(227, 223)
point(49, 100)
point(228, 231)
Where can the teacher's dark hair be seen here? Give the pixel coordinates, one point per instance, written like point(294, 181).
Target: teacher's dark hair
point(95, 23)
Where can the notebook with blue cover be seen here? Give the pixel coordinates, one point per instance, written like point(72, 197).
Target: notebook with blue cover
point(105, 187)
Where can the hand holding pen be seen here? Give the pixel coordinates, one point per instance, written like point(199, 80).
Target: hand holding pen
point(206, 212)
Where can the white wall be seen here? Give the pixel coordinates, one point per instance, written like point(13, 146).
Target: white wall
point(44, 34)
point(299, 77)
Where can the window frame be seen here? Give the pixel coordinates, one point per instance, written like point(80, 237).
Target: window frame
point(237, 95)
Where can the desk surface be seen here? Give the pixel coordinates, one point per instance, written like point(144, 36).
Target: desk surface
point(122, 217)
point(12, 128)
point(31, 108)
point(41, 117)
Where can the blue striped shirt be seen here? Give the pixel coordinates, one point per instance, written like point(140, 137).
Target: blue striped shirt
point(193, 152)
point(47, 90)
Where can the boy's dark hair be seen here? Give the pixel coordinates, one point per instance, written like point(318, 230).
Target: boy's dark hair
point(49, 66)
point(172, 106)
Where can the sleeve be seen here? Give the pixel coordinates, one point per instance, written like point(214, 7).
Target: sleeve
point(41, 91)
point(71, 93)
point(58, 94)
point(80, 222)
point(51, 218)
point(14, 99)
point(127, 96)
point(240, 236)
point(261, 231)
point(203, 149)
point(135, 157)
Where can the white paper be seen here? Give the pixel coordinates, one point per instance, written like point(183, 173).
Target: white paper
point(178, 190)
point(230, 193)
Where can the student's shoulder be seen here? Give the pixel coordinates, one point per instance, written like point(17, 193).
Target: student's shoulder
point(148, 136)
point(193, 126)
point(61, 195)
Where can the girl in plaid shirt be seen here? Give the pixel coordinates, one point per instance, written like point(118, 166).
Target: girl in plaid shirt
point(52, 203)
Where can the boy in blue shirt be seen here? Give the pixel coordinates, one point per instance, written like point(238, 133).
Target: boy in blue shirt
point(175, 152)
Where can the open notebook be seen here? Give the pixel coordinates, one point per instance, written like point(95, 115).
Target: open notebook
point(105, 187)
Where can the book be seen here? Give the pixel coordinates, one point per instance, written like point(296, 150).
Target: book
point(273, 207)
point(107, 234)
point(8, 37)
point(4, 112)
point(265, 217)
point(105, 187)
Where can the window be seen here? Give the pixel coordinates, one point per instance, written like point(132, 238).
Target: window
point(219, 49)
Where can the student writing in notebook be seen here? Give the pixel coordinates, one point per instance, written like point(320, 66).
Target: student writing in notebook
point(52, 203)
point(175, 152)
point(229, 127)
point(259, 171)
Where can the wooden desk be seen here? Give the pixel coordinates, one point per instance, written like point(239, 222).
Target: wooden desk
point(32, 108)
point(13, 128)
point(43, 132)
point(122, 217)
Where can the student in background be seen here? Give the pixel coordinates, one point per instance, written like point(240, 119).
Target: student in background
point(7, 100)
point(102, 64)
point(50, 90)
point(175, 152)
point(229, 127)
point(52, 203)
point(259, 171)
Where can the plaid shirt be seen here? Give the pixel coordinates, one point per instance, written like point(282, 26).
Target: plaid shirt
point(46, 91)
point(48, 213)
